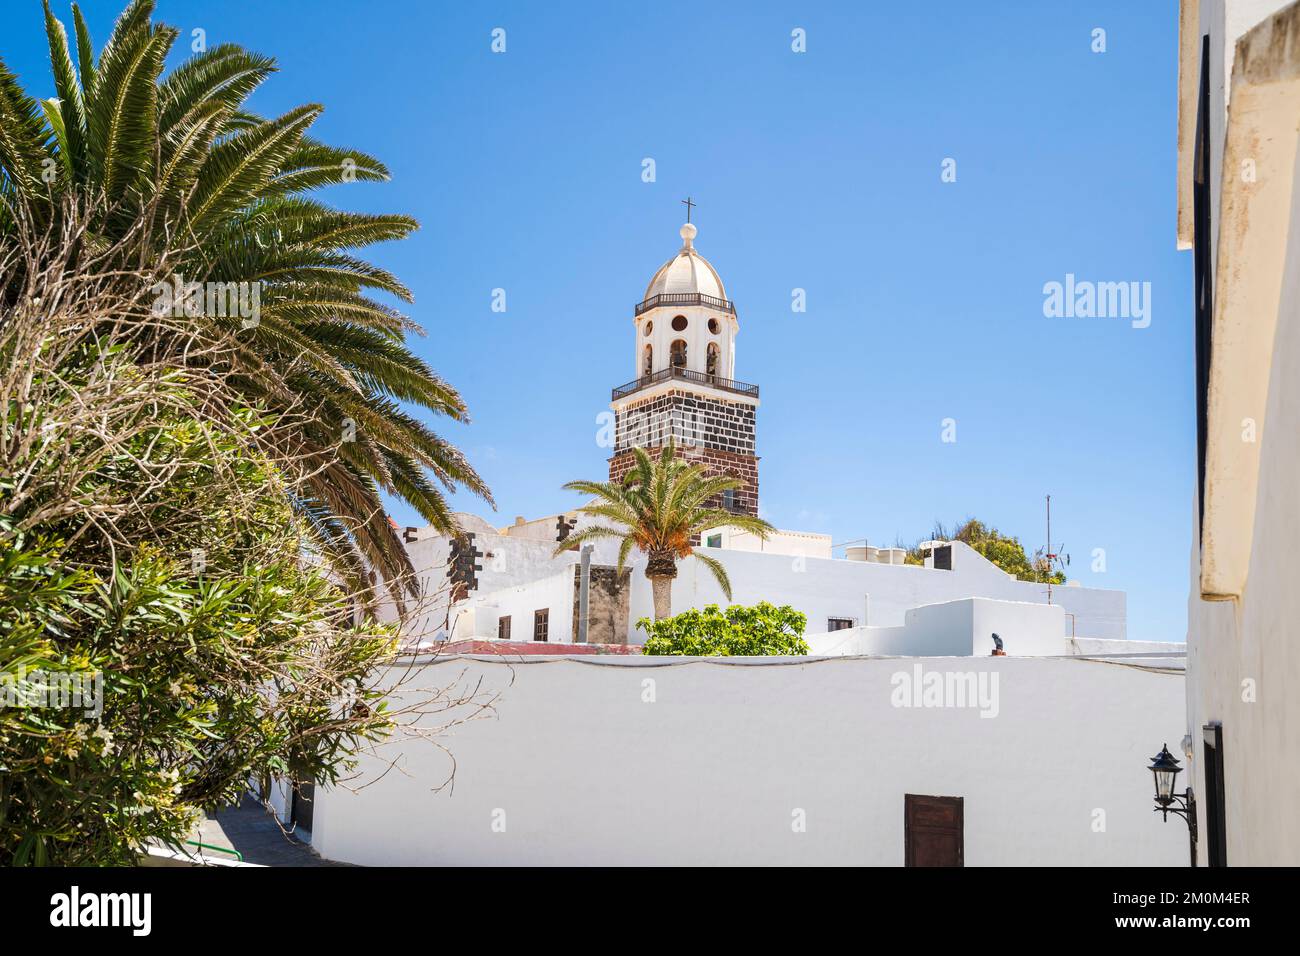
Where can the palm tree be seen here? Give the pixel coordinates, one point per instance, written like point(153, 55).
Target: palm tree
point(660, 507)
point(219, 194)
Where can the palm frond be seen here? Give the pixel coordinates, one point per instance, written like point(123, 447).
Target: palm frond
point(54, 117)
point(123, 115)
point(225, 76)
point(593, 533)
point(223, 192)
point(718, 570)
point(315, 164)
point(24, 138)
point(85, 54)
point(236, 169)
point(72, 108)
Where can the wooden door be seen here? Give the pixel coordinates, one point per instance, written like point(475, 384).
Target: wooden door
point(933, 831)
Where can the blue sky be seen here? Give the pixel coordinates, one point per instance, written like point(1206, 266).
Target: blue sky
point(819, 171)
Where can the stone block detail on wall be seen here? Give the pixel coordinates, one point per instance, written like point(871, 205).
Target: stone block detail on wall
point(609, 602)
point(690, 419)
point(714, 433)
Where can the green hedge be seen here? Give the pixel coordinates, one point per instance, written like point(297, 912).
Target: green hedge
point(757, 631)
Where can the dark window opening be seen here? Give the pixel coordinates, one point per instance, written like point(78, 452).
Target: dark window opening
point(838, 623)
point(1202, 237)
point(711, 359)
point(713, 541)
point(677, 354)
point(503, 628)
point(649, 360)
point(542, 624)
point(1216, 818)
point(679, 323)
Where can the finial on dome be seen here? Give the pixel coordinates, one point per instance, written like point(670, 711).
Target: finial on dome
point(688, 232)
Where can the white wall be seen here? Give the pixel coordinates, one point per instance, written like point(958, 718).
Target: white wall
point(586, 771)
point(553, 593)
point(1243, 665)
point(865, 592)
point(880, 593)
point(955, 628)
point(791, 543)
point(508, 562)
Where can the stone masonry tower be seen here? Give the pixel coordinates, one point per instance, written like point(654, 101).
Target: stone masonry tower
point(685, 355)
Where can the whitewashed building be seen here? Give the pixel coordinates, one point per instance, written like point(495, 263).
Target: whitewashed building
point(900, 740)
point(505, 583)
point(1239, 210)
point(622, 760)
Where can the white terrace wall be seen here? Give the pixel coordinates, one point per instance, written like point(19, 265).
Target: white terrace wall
point(553, 594)
point(877, 594)
point(867, 593)
point(956, 629)
point(683, 761)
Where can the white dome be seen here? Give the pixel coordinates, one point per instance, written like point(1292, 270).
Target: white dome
point(686, 272)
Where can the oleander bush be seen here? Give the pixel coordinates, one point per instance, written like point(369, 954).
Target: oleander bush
point(763, 629)
point(176, 595)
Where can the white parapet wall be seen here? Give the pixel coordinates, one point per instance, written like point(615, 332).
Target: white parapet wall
point(956, 628)
point(519, 567)
point(771, 761)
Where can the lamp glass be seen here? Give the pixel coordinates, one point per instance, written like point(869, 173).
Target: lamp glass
point(1164, 783)
point(1164, 767)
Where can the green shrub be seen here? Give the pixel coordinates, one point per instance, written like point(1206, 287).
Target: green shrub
point(151, 554)
point(205, 681)
point(758, 631)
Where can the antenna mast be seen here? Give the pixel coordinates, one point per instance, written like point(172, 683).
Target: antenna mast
point(1049, 549)
point(1053, 559)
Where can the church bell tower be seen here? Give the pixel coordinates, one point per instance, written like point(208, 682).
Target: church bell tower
point(685, 332)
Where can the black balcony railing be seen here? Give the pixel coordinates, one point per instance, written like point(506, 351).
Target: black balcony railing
point(686, 298)
point(686, 375)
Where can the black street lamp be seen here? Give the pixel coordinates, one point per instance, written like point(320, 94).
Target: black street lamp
point(1164, 767)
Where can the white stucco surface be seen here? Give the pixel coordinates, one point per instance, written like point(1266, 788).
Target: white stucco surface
point(522, 570)
point(1243, 664)
point(956, 629)
point(681, 761)
point(879, 594)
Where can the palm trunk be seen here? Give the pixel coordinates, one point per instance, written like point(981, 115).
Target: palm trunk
point(663, 595)
point(661, 569)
